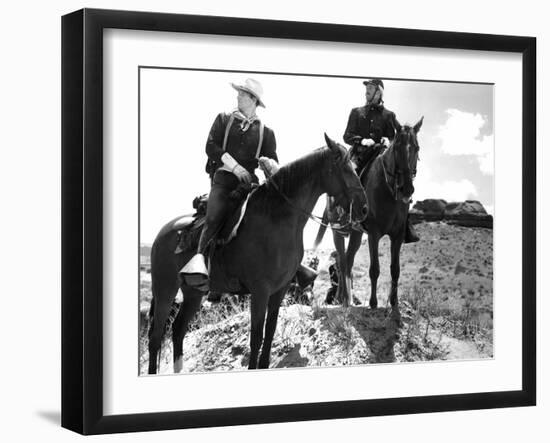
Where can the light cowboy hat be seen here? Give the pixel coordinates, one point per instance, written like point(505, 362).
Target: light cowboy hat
point(252, 87)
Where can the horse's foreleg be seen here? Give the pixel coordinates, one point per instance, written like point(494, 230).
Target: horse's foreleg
point(353, 246)
point(190, 306)
point(270, 326)
point(258, 306)
point(395, 269)
point(164, 296)
point(374, 269)
point(343, 292)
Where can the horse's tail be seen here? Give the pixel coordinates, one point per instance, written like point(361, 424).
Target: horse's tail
point(322, 229)
point(165, 265)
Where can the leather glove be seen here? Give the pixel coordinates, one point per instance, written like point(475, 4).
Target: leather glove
point(242, 174)
point(268, 166)
point(368, 142)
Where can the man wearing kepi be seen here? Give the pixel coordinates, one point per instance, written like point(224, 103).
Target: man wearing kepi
point(237, 143)
point(370, 129)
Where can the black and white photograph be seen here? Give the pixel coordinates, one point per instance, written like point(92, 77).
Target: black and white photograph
point(290, 221)
point(275, 221)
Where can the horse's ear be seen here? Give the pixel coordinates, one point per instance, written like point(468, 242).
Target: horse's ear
point(397, 126)
point(332, 144)
point(418, 125)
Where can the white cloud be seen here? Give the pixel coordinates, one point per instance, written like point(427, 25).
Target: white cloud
point(425, 187)
point(460, 135)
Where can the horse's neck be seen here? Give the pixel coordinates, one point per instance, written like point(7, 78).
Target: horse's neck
point(380, 176)
point(307, 198)
point(303, 196)
point(377, 171)
point(388, 160)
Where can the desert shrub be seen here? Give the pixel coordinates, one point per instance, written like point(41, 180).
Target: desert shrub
point(212, 314)
point(460, 314)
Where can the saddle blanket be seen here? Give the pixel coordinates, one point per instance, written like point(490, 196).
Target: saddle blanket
point(190, 226)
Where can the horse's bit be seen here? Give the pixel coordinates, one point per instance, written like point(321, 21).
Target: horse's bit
point(316, 218)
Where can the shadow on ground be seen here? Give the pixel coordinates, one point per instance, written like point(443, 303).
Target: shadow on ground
point(293, 359)
point(379, 328)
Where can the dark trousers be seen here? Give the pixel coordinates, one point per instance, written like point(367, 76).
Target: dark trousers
point(220, 205)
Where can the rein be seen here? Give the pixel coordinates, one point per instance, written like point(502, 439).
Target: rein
point(311, 216)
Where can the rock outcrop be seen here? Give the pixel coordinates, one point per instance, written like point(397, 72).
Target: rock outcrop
point(470, 213)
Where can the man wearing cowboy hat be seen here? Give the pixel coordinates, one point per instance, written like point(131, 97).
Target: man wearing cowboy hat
point(235, 143)
point(371, 128)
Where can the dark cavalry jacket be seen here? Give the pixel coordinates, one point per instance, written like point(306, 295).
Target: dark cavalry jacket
point(242, 146)
point(370, 121)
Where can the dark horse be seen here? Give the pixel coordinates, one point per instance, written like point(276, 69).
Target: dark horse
point(264, 256)
point(389, 186)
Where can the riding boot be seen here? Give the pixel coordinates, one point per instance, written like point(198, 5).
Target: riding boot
point(410, 233)
point(195, 272)
point(305, 276)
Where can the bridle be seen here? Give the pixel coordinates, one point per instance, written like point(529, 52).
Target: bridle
point(396, 178)
point(346, 189)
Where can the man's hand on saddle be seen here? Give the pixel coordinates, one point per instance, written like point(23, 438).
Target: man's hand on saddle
point(241, 173)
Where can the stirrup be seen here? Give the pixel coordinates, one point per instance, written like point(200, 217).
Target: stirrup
point(195, 273)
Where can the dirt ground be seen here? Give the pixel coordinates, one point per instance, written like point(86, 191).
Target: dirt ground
point(445, 313)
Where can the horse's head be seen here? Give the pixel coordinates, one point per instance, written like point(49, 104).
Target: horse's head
point(405, 153)
point(341, 182)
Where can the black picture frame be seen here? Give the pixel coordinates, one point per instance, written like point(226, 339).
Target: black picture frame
point(82, 219)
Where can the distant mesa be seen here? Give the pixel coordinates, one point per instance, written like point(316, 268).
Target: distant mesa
point(470, 213)
point(428, 210)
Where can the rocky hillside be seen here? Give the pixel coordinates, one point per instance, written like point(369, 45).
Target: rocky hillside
point(446, 305)
point(469, 213)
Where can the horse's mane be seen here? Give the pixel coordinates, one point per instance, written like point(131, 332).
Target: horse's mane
point(289, 178)
point(291, 175)
point(405, 131)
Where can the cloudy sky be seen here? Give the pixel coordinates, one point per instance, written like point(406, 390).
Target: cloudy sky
point(178, 107)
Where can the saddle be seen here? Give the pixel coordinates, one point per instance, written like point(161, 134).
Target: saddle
point(363, 170)
point(189, 227)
